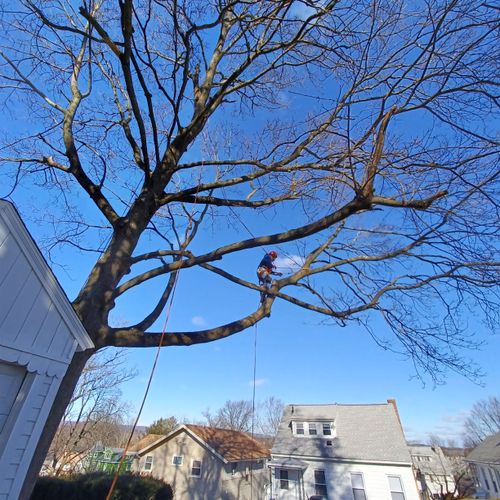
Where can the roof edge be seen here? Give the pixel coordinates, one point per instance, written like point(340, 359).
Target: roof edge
point(11, 217)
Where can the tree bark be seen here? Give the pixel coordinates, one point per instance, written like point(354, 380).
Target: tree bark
point(56, 413)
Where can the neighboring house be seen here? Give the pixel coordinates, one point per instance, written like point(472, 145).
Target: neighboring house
point(106, 459)
point(202, 463)
point(39, 334)
point(484, 461)
point(433, 471)
point(341, 452)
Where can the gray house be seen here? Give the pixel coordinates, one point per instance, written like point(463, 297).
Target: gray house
point(341, 452)
point(484, 461)
point(204, 463)
point(39, 334)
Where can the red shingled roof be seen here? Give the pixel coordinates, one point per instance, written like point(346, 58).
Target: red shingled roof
point(231, 445)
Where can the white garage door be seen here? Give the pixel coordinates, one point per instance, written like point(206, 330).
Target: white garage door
point(11, 379)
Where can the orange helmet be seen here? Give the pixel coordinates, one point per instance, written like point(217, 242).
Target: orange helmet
point(273, 254)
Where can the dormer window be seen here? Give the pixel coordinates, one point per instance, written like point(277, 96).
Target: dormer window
point(313, 429)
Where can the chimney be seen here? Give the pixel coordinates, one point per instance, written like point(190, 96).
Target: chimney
point(393, 403)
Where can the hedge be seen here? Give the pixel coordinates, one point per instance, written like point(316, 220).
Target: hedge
point(95, 486)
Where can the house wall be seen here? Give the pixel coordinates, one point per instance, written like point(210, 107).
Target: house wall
point(39, 334)
point(338, 481)
point(488, 478)
point(217, 480)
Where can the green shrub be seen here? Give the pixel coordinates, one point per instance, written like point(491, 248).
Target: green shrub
point(95, 486)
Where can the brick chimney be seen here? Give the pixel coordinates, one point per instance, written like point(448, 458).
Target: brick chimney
point(393, 403)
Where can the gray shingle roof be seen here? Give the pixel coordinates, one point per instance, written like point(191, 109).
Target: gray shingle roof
point(488, 451)
point(369, 432)
point(437, 464)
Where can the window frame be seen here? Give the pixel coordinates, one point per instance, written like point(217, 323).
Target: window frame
point(181, 460)
point(193, 467)
point(320, 488)
point(402, 492)
point(312, 426)
point(284, 481)
point(150, 463)
point(363, 489)
point(300, 429)
point(328, 427)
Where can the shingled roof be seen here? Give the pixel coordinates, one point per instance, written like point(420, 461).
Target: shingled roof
point(230, 445)
point(146, 442)
point(487, 452)
point(362, 432)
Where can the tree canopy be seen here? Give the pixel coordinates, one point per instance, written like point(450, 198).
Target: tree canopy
point(363, 133)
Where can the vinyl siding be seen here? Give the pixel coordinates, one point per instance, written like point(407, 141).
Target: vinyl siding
point(39, 334)
point(338, 481)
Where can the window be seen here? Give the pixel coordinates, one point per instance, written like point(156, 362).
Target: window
point(299, 428)
point(327, 429)
point(396, 487)
point(487, 484)
point(234, 467)
point(177, 460)
point(329, 442)
point(196, 468)
point(358, 487)
point(11, 381)
point(312, 429)
point(148, 464)
point(493, 481)
point(320, 483)
point(283, 477)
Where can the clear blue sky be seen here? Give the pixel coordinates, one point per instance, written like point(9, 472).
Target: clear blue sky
point(298, 359)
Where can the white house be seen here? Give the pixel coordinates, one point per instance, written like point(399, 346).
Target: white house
point(433, 470)
point(39, 334)
point(341, 452)
point(484, 460)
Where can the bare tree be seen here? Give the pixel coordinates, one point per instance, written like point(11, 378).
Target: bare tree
point(234, 415)
point(96, 412)
point(365, 131)
point(483, 420)
point(269, 416)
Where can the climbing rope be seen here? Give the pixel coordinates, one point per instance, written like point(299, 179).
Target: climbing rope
point(253, 402)
point(153, 369)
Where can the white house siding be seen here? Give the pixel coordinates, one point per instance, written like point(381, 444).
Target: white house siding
point(488, 476)
point(338, 481)
point(39, 334)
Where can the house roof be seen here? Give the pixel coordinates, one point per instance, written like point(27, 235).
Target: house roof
point(437, 464)
point(488, 451)
point(146, 442)
point(364, 432)
point(228, 445)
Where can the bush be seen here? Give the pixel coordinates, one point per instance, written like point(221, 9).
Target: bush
point(96, 486)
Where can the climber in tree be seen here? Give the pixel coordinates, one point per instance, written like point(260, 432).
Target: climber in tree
point(265, 270)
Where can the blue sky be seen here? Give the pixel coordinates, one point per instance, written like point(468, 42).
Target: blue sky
point(299, 360)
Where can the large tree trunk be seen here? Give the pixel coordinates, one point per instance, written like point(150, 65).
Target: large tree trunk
point(56, 413)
